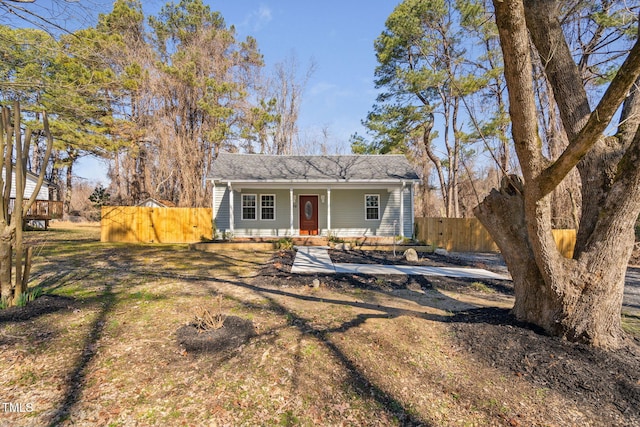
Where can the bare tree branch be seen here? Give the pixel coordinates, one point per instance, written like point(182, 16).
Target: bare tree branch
point(597, 123)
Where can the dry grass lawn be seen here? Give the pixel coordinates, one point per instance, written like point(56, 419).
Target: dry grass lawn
point(108, 355)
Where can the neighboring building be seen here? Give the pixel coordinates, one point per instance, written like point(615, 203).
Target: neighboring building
point(154, 203)
point(45, 207)
point(351, 195)
point(30, 186)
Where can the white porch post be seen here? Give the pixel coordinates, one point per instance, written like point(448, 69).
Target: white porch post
point(328, 210)
point(231, 218)
point(213, 208)
point(291, 210)
point(413, 219)
point(402, 210)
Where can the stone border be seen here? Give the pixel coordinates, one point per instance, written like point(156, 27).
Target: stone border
point(271, 246)
point(231, 246)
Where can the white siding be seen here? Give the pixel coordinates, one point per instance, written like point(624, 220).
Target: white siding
point(221, 209)
point(262, 227)
point(348, 213)
point(29, 187)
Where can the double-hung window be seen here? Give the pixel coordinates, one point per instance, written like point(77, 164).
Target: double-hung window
point(249, 206)
point(268, 206)
point(372, 206)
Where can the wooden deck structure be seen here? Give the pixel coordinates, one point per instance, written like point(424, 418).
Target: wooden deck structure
point(41, 210)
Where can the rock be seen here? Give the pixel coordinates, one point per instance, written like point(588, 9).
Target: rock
point(343, 246)
point(315, 283)
point(411, 255)
point(441, 251)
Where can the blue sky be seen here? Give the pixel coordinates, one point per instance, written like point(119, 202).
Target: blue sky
point(337, 36)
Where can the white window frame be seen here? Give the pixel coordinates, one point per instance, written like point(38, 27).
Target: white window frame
point(255, 207)
point(262, 218)
point(367, 207)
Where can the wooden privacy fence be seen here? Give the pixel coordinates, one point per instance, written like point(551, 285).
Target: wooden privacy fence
point(135, 224)
point(469, 235)
point(566, 241)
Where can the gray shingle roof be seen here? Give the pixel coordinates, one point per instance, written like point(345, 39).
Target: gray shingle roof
point(351, 168)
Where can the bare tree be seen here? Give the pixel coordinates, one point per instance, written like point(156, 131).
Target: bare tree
point(287, 90)
point(15, 144)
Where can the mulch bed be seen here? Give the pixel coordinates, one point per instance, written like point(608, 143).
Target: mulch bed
point(607, 382)
point(234, 332)
point(279, 267)
point(41, 305)
point(387, 258)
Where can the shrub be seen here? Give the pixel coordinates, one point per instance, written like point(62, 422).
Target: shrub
point(286, 243)
point(205, 320)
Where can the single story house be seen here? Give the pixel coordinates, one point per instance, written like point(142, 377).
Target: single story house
point(256, 195)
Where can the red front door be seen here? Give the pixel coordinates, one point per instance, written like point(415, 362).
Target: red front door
point(308, 215)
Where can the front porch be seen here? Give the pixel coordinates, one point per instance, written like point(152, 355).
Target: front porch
point(360, 212)
point(321, 240)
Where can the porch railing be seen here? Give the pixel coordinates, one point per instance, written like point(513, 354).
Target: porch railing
point(41, 210)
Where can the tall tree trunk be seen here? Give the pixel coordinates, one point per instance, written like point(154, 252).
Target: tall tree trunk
point(581, 299)
point(6, 285)
point(577, 298)
point(438, 165)
point(68, 189)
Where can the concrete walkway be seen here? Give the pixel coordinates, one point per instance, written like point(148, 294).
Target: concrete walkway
point(312, 259)
point(315, 259)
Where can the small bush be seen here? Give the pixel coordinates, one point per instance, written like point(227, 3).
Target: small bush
point(286, 243)
point(481, 287)
point(334, 239)
point(205, 320)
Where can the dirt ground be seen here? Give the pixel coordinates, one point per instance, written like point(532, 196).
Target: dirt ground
point(107, 345)
point(605, 382)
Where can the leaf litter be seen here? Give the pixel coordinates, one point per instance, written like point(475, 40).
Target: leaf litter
point(102, 348)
